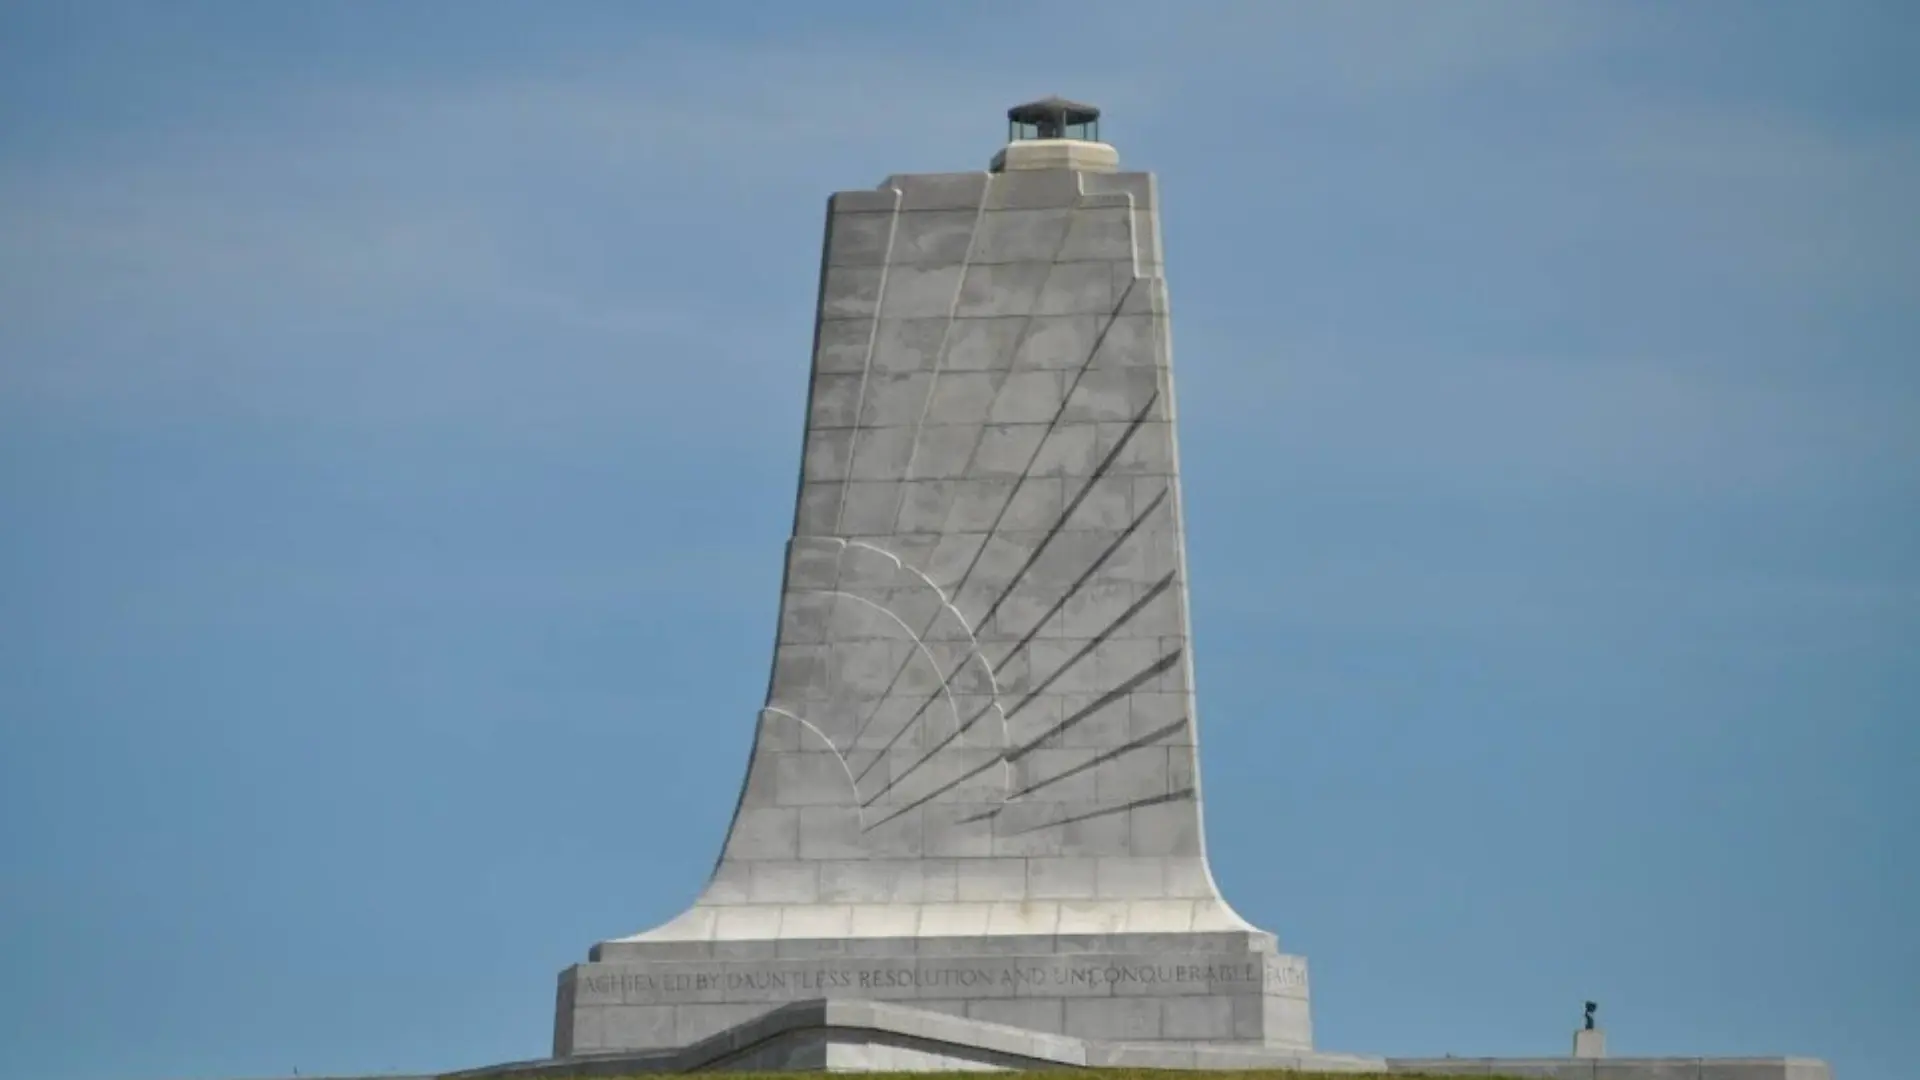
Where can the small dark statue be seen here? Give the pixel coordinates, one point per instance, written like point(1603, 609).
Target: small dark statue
point(1591, 1009)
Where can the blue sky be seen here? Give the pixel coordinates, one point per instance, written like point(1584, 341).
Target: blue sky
point(399, 418)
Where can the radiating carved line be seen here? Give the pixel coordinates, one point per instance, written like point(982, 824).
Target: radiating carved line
point(893, 782)
point(1127, 686)
point(920, 711)
point(1071, 591)
point(1145, 740)
point(1026, 326)
point(1014, 582)
point(937, 792)
point(1086, 575)
point(1137, 804)
point(1039, 447)
point(1099, 473)
point(959, 619)
point(940, 354)
point(1037, 690)
point(1053, 425)
point(1019, 341)
point(866, 370)
point(1105, 699)
point(945, 686)
point(1087, 650)
point(946, 678)
point(822, 736)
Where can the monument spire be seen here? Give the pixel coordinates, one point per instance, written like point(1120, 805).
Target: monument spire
point(975, 769)
point(969, 836)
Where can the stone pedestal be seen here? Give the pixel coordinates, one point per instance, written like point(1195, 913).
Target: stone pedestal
point(1229, 988)
point(1590, 1043)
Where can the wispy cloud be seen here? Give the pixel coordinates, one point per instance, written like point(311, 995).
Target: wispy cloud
point(621, 234)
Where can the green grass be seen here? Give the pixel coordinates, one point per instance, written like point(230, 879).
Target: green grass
point(1103, 1074)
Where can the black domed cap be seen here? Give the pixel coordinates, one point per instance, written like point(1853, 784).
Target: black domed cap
point(1051, 111)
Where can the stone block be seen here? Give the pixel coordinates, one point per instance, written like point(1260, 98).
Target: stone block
point(1099, 234)
point(905, 346)
point(1018, 236)
point(1141, 189)
point(1149, 1056)
point(1287, 1022)
point(1024, 916)
point(859, 238)
point(775, 881)
point(908, 291)
point(1079, 288)
point(695, 1022)
point(1128, 877)
point(1203, 1019)
point(962, 397)
point(1058, 342)
point(1032, 1014)
point(819, 508)
point(842, 346)
point(856, 202)
point(882, 453)
point(1114, 1019)
point(1645, 1069)
point(939, 191)
point(1159, 916)
point(1116, 395)
point(1042, 189)
point(998, 290)
point(1025, 397)
point(851, 292)
point(1129, 341)
point(934, 237)
point(769, 832)
point(988, 879)
point(948, 452)
point(1136, 292)
point(644, 1025)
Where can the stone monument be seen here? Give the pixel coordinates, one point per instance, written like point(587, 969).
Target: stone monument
point(970, 830)
point(973, 786)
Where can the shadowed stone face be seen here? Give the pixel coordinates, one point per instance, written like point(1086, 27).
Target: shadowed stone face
point(983, 638)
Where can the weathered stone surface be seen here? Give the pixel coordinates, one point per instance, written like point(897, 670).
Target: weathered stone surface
point(828, 1035)
point(836, 1035)
point(1194, 987)
point(976, 757)
point(969, 835)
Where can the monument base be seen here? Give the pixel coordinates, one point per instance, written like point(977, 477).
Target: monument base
point(1228, 988)
point(874, 1036)
point(840, 1035)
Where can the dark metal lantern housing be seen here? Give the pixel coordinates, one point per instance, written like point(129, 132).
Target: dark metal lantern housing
point(1053, 118)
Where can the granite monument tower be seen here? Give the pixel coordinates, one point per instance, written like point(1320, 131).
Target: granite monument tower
point(973, 787)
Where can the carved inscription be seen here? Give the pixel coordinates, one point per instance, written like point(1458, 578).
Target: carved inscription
point(1015, 977)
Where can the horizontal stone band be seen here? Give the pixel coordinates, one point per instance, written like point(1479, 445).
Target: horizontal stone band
point(907, 978)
